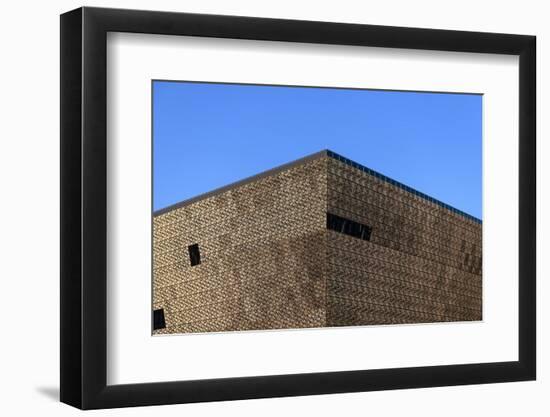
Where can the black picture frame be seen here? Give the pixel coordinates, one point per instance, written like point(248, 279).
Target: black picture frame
point(84, 207)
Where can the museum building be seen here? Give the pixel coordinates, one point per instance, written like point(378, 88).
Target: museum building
point(319, 242)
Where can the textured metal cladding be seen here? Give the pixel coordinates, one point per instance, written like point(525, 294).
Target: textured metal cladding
point(263, 256)
point(422, 263)
point(267, 260)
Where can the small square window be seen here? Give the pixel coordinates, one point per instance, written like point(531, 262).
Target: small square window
point(158, 319)
point(194, 254)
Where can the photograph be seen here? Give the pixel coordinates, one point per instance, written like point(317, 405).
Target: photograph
point(257, 205)
point(281, 207)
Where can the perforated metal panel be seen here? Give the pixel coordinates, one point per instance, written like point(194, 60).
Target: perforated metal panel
point(268, 260)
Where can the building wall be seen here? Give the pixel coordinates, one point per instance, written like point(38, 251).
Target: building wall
point(263, 256)
point(268, 260)
point(422, 263)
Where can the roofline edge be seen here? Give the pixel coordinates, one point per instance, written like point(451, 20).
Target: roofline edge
point(247, 180)
point(303, 160)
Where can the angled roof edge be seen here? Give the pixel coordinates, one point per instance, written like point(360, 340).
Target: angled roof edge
point(244, 181)
point(308, 158)
point(398, 184)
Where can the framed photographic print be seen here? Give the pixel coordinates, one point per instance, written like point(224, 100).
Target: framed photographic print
point(257, 207)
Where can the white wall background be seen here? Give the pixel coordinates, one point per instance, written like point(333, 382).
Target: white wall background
point(29, 229)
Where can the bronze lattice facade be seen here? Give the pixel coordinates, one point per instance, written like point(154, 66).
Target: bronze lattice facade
point(320, 242)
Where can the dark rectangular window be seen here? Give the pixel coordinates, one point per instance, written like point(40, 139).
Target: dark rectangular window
point(348, 227)
point(194, 254)
point(158, 319)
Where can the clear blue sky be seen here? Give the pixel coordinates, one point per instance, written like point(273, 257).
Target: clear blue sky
point(208, 135)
